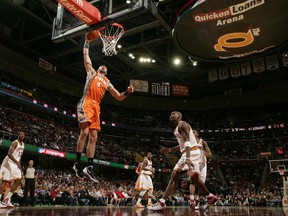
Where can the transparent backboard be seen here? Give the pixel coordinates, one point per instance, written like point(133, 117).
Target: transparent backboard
point(66, 25)
point(275, 165)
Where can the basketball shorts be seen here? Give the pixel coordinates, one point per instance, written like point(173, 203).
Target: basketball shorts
point(89, 111)
point(144, 182)
point(9, 170)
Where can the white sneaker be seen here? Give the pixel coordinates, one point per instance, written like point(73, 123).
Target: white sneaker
point(88, 171)
point(9, 204)
point(210, 201)
point(192, 203)
point(197, 206)
point(3, 205)
point(158, 206)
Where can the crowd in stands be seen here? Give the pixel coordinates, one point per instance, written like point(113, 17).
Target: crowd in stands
point(241, 117)
point(62, 188)
point(137, 132)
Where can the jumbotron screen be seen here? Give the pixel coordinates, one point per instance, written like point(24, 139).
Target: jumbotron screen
point(140, 85)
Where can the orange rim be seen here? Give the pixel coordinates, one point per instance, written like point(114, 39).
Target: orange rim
point(112, 36)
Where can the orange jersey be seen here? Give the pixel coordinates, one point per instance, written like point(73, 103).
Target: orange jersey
point(95, 87)
point(88, 108)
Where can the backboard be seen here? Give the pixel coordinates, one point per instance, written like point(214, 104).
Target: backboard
point(275, 165)
point(67, 26)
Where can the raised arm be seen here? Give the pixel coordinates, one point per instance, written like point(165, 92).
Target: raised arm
point(120, 96)
point(87, 59)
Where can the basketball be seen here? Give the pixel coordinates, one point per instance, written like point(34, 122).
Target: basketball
point(93, 35)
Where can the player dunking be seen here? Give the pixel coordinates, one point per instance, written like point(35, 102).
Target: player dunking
point(205, 152)
point(88, 110)
point(144, 182)
point(191, 156)
point(11, 169)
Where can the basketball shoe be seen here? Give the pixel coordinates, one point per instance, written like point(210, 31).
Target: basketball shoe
point(3, 205)
point(88, 171)
point(197, 206)
point(192, 203)
point(210, 201)
point(9, 204)
point(159, 206)
point(78, 170)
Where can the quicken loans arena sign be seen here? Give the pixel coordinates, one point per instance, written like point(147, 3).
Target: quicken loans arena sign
point(223, 30)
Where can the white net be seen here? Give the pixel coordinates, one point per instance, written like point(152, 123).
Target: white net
point(110, 36)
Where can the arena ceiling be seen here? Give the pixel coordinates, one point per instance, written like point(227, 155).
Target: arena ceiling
point(26, 27)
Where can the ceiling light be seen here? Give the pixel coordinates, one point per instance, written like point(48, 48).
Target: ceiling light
point(177, 61)
point(194, 62)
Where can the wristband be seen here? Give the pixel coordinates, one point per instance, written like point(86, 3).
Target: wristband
point(86, 45)
point(126, 93)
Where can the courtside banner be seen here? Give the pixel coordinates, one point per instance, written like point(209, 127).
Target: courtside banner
point(83, 10)
point(227, 30)
point(51, 152)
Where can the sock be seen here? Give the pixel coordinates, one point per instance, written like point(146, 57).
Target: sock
point(210, 194)
point(162, 200)
point(138, 201)
point(191, 197)
point(9, 195)
point(90, 161)
point(149, 200)
point(78, 157)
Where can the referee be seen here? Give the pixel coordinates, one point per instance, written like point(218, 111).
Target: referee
point(30, 179)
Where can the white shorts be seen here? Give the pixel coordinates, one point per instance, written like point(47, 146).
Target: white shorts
point(9, 170)
point(203, 171)
point(144, 182)
point(195, 158)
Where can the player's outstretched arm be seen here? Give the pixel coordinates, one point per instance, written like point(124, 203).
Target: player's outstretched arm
point(120, 96)
point(87, 60)
point(167, 150)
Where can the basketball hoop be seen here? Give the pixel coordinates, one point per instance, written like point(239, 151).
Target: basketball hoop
point(281, 172)
point(110, 36)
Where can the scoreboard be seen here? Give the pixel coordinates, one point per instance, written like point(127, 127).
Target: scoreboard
point(160, 88)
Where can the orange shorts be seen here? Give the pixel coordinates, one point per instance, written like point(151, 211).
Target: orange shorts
point(89, 112)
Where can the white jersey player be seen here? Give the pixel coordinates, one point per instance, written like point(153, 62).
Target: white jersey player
point(144, 182)
point(11, 169)
point(191, 156)
point(205, 152)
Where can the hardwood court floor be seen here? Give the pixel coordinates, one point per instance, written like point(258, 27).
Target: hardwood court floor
point(131, 211)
